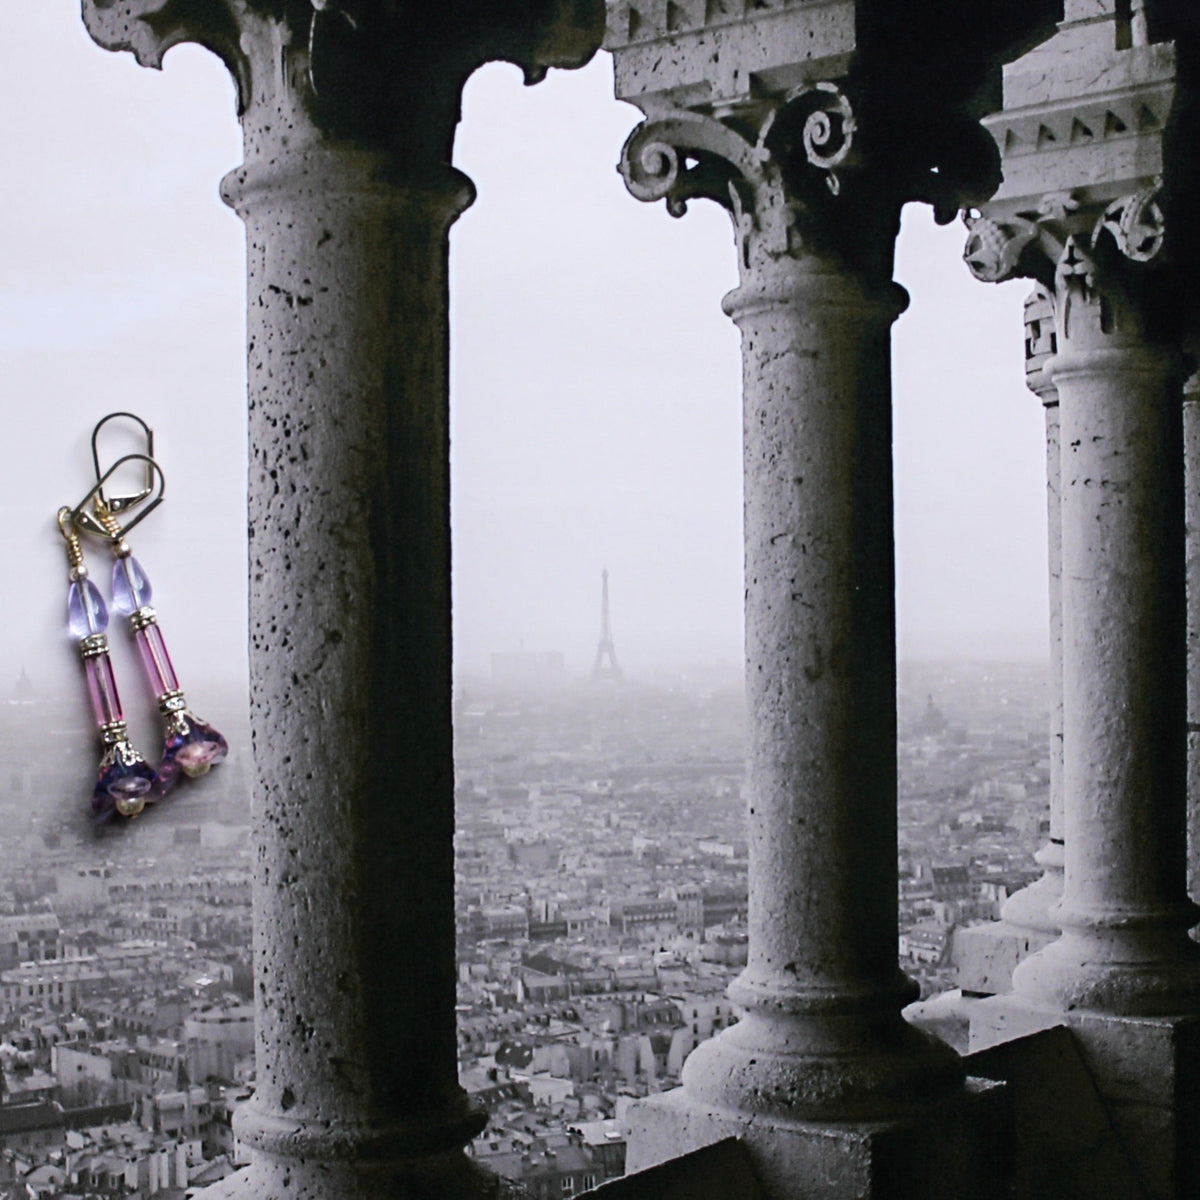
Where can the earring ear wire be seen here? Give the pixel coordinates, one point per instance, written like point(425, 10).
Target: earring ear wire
point(118, 504)
point(92, 522)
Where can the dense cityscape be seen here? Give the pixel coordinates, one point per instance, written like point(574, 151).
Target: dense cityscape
point(601, 908)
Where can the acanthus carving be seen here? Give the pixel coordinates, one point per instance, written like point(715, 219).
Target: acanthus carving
point(1136, 224)
point(993, 251)
point(1026, 243)
point(1091, 268)
point(828, 133)
point(812, 171)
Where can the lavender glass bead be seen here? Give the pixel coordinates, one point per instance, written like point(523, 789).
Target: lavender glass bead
point(86, 613)
point(131, 588)
point(191, 747)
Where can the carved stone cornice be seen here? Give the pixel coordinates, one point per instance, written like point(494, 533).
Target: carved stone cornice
point(385, 74)
point(1089, 204)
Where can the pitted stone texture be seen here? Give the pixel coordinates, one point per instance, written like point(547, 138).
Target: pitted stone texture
point(1125, 909)
point(724, 52)
point(380, 74)
point(951, 1152)
point(1082, 134)
point(1105, 1107)
point(823, 1037)
point(350, 659)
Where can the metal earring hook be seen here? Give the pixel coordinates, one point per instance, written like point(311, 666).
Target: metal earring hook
point(116, 504)
point(83, 519)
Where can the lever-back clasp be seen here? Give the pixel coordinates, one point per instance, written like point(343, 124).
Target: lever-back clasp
point(117, 504)
point(80, 517)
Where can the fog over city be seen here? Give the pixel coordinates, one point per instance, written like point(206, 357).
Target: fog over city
point(596, 386)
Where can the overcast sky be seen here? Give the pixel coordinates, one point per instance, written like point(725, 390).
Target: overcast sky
point(596, 381)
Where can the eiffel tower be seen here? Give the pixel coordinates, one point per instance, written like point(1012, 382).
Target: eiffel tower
point(606, 666)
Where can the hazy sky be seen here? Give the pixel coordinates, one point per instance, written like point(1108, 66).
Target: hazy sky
point(596, 381)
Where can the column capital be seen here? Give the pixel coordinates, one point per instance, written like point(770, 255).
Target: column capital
point(808, 172)
point(357, 70)
point(1094, 203)
point(811, 124)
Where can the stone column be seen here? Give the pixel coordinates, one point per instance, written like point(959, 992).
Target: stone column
point(822, 1040)
point(986, 955)
point(1030, 908)
point(1125, 910)
point(347, 194)
point(822, 1035)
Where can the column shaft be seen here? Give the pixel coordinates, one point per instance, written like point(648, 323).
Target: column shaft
point(1124, 910)
point(1031, 907)
point(350, 661)
point(822, 1035)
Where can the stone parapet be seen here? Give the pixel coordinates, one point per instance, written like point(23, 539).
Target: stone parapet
point(951, 1151)
point(1104, 1106)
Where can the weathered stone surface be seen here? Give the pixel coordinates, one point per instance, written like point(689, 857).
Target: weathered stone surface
point(823, 1036)
point(951, 1151)
point(986, 955)
point(814, 186)
point(722, 1169)
point(1082, 209)
point(1105, 1107)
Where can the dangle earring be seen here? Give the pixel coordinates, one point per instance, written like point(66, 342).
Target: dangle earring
point(125, 781)
point(190, 745)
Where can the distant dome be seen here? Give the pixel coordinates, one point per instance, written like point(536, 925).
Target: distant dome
point(932, 721)
point(23, 693)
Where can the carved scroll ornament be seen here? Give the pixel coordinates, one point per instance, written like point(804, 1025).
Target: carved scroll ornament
point(688, 155)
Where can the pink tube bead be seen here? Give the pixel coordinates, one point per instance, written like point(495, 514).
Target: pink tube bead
point(156, 660)
point(102, 688)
